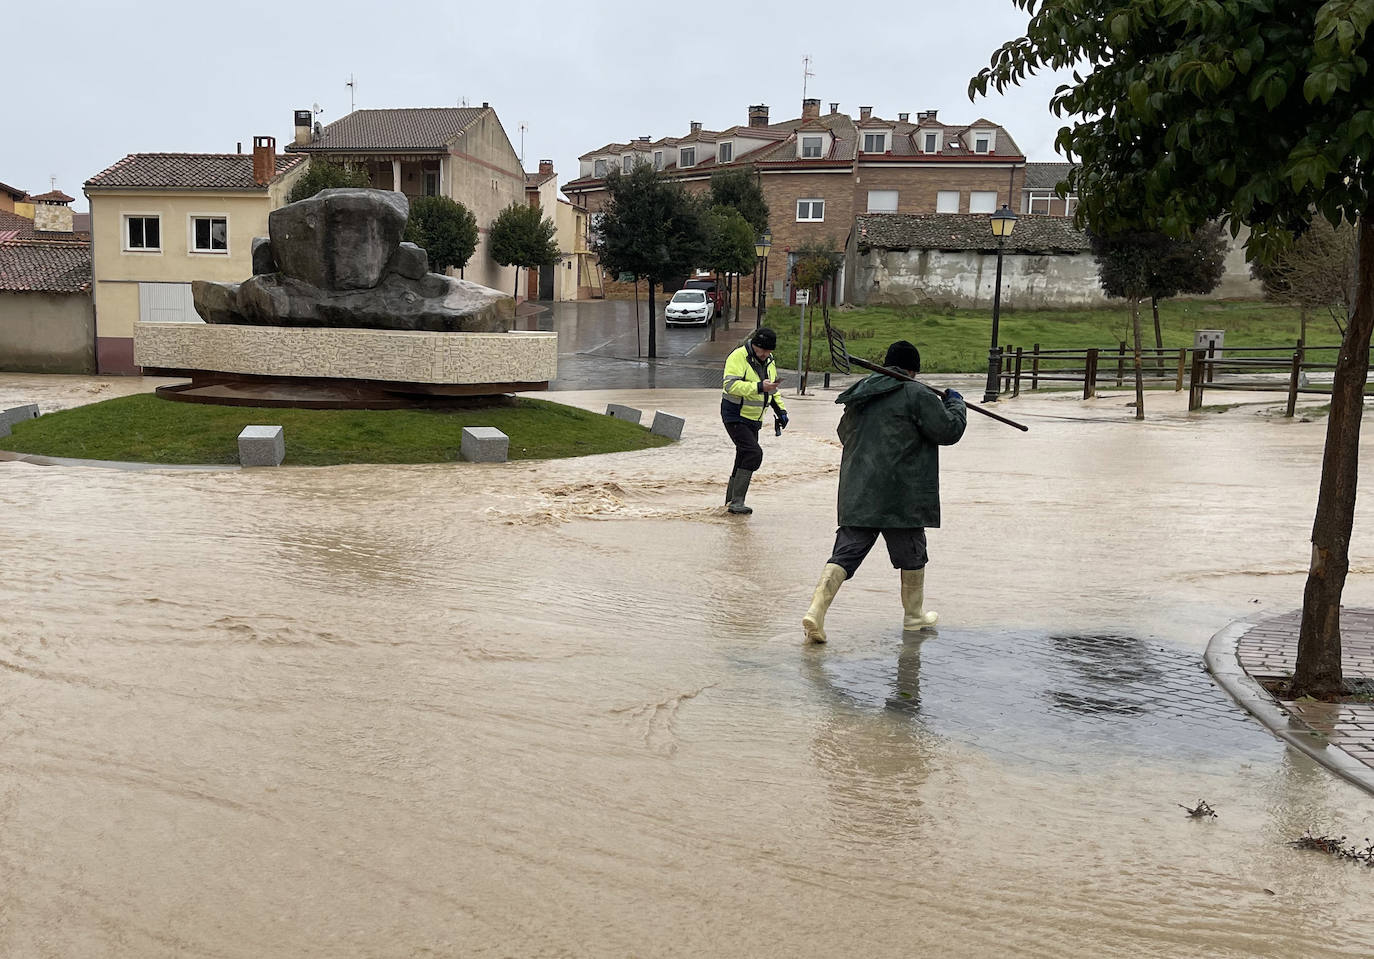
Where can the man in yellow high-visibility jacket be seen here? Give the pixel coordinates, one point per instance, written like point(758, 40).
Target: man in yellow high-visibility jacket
point(750, 387)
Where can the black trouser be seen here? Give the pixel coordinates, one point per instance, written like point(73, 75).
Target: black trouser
point(906, 547)
point(745, 435)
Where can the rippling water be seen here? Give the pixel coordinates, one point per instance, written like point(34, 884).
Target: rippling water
point(562, 709)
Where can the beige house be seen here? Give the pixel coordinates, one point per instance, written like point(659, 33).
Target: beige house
point(161, 220)
point(458, 152)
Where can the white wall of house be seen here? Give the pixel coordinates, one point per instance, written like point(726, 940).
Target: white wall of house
point(966, 278)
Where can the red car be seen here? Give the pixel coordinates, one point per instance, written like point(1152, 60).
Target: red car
point(712, 291)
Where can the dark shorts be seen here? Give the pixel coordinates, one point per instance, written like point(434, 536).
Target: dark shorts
point(906, 547)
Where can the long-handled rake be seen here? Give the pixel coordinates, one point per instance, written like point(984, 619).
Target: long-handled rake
point(842, 361)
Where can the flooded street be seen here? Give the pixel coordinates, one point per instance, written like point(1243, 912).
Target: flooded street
point(563, 708)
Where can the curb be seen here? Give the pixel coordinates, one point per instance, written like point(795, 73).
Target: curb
point(1224, 665)
point(34, 459)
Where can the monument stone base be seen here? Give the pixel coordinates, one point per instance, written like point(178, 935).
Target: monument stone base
point(341, 367)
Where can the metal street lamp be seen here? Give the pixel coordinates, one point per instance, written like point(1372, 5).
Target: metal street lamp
point(761, 248)
point(1003, 223)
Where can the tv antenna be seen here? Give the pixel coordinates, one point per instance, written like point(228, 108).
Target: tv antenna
point(523, 127)
point(806, 73)
point(316, 109)
point(52, 179)
point(352, 89)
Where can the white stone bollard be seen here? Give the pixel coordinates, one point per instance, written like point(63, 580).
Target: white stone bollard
point(262, 446)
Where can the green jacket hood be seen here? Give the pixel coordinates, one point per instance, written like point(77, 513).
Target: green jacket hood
point(869, 388)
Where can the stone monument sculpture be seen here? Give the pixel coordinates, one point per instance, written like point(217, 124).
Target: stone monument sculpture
point(336, 259)
point(340, 312)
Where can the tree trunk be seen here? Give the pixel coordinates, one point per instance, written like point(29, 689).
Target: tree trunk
point(1139, 373)
point(639, 344)
point(1159, 338)
point(653, 321)
point(1302, 324)
point(1318, 672)
point(516, 294)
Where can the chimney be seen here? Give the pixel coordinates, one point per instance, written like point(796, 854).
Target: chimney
point(811, 108)
point(238, 147)
point(545, 167)
point(758, 115)
point(834, 108)
point(696, 126)
point(486, 105)
point(302, 127)
point(51, 213)
point(925, 115)
point(865, 112)
point(264, 160)
point(903, 117)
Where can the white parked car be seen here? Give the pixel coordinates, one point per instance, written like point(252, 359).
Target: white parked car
point(689, 306)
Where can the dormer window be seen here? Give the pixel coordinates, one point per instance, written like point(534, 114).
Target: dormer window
point(687, 156)
point(599, 168)
point(875, 142)
point(984, 141)
point(725, 152)
point(811, 147)
point(930, 142)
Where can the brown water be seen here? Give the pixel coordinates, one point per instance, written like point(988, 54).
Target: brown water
point(562, 709)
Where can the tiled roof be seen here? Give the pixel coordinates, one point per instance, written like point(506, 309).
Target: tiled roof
point(16, 227)
point(53, 196)
point(13, 191)
point(967, 231)
point(538, 179)
point(45, 267)
point(187, 171)
point(1046, 176)
point(408, 129)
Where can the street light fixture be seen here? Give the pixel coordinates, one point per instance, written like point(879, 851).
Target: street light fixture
point(761, 248)
point(1003, 223)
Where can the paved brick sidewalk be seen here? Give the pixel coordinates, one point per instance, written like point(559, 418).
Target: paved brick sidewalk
point(1339, 735)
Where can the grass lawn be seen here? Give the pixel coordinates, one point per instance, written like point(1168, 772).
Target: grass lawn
point(148, 429)
point(956, 340)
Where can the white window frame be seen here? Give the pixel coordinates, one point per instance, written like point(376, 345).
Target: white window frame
point(990, 136)
point(814, 139)
point(882, 142)
point(193, 247)
point(942, 201)
point(814, 205)
point(658, 159)
point(885, 208)
point(982, 201)
point(1040, 198)
point(600, 168)
point(925, 139)
point(124, 231)
point(725, 152)
point(687, 156)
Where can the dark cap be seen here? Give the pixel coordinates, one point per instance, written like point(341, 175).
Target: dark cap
point(765, 339)
point(903, 356)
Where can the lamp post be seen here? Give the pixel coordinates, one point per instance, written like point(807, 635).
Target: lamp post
point(761, 248)
point(1003, 223)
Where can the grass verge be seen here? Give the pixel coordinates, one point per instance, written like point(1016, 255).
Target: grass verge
point(148, 429)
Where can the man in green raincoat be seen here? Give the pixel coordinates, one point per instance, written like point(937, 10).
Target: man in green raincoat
point(892, 431)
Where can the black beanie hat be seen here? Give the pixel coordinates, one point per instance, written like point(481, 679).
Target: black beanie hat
point(903, 356)
point(766, 339)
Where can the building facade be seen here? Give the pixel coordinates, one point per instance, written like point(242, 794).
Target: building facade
point(458, 152)
point(818, 172)
point(161, 220)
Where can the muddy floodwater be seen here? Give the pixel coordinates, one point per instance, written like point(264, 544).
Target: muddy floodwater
point(562, 708)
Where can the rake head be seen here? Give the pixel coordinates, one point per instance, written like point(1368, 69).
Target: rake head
point(839, 356)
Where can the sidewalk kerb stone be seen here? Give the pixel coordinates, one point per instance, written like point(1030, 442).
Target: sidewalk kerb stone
point(1224, 665)
point(262, 446)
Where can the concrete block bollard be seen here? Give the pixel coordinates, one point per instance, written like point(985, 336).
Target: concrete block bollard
point(623, 412)
point(666, 424)
point(484, 444)
point(16, 414)
point(262, 446)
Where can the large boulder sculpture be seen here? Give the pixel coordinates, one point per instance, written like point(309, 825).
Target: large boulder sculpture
point(337, 260)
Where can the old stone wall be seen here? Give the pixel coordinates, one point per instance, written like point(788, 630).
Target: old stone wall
point(47, 333)
point(943, 278)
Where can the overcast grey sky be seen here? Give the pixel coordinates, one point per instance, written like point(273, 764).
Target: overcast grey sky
point(89, 82)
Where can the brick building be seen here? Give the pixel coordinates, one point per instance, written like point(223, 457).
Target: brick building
point(818, 172)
